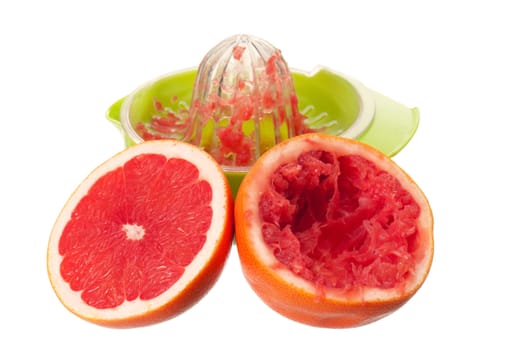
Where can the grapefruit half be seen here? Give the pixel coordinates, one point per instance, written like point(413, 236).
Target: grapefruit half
point(144, 236)
point(332, 233)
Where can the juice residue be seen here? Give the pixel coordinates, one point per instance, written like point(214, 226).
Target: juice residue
point(237, 115)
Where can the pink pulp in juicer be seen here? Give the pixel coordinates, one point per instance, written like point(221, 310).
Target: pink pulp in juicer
point(167, 122)
point(243, 103)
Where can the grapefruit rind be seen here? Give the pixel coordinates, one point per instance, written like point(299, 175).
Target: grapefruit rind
point(290, 294)
point(199, 275)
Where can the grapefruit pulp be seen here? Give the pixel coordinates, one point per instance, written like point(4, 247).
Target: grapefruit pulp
point(143, 237)
point(332, 233)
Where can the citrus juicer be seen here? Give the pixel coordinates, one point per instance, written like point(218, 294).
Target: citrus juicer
point(243, 99)
point(243, 102)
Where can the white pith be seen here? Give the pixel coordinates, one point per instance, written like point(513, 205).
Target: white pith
point(133, 232)
point(291, 151)
point(209, 171)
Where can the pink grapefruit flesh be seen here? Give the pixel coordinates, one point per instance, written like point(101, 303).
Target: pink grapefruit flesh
point(340, 221)
point(143, 237)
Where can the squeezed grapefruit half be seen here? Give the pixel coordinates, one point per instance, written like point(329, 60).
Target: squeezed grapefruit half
point(332, 233)
point(144, 236)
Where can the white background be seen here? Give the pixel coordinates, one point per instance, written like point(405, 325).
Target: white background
point(62, 64)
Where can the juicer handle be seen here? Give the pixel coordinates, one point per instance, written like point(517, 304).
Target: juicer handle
point(392, 126)
point(364, 114)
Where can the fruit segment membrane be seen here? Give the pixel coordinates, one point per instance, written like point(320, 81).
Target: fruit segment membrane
point(340, 222)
